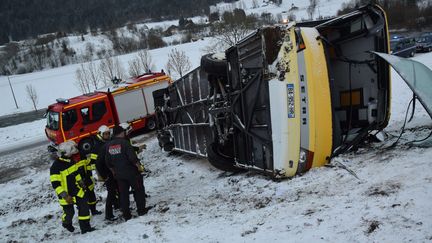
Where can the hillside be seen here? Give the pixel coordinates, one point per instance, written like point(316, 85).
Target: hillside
point(99, 45)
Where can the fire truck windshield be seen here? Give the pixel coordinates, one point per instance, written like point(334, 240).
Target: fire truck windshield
point(52, 120)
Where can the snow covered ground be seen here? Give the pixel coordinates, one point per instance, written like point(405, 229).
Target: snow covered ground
point(390, 202)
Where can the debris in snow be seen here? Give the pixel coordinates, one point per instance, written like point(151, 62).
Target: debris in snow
point(373, 225)
point(384, 189)
point(252, 231)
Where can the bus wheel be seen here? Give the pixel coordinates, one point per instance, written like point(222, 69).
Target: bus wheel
point(85, 146)
point(218, 159)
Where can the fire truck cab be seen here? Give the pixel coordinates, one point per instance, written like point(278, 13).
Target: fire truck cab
point(80, 117)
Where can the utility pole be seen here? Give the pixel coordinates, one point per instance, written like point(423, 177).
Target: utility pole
point(13, 94)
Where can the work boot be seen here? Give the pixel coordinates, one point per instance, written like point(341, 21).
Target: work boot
point(111, 218)
point(85, 226)
point(94, 211)
point(127, 216)
point(69, 227)
point(145, 211)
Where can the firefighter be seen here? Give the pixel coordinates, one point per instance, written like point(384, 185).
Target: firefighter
point(124, 164)
point(67, 180)
point(128, 129)
point(98, 152)
point(88, 164)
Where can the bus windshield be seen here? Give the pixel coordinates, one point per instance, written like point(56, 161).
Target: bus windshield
point(52, 120)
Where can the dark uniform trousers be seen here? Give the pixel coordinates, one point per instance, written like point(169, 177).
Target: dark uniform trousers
point(138, 186)
point(89, 166)
point(112, 199)
point(98, 156)
point(83, 212)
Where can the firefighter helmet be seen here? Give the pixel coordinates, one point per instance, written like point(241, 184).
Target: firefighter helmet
point(67, 149)
point(103, 129)
point(127, 127)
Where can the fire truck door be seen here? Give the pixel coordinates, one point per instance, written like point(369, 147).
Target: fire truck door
point(94, 115)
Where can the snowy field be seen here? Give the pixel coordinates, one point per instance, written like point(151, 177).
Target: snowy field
point(193, 202)
point(60, 82)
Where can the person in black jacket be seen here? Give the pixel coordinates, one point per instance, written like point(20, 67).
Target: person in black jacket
point(98, 153)
point(124, 164)
point(66, 178)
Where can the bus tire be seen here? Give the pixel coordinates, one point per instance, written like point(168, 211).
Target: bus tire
point(212, 65)
point(220, 160)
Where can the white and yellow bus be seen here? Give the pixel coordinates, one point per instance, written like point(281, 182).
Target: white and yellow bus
point(285, 98)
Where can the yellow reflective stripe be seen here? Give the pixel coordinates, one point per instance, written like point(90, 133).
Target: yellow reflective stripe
point(80, 193)
point(93, 156)
point(65, 160)
point(63, 202)
point(78, 177)
point(84, 217)
point(91, 167)
point(91, 187)
point(59, 190)
point(68, 171)
point(83, 162)
point(91, 203)
point(55, 177)
point(63, 216)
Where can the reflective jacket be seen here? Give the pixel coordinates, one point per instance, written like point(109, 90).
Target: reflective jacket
point(121, 157)
point(65, 176)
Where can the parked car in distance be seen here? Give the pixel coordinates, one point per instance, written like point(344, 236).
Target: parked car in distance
point(403, 46)
point(424, 42)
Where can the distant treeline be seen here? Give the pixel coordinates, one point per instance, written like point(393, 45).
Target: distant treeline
point(22, 19)
point(408, 14)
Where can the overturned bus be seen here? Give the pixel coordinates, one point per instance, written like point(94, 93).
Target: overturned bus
point(285, 98)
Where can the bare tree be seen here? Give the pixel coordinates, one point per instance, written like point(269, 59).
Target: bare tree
point(145, 60)
point(235, 27)
point(106, 67)
point(93, 74)
point(312, 7)
point(134, 67)
point(32, 95)
point(82, 80)
point(111, 69)
point(178, 62)
point(118, 69)
point(231, 34)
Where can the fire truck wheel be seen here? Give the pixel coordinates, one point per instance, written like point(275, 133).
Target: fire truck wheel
point(85, 146)
point(151, 124)
point(218, 159)
point(215, 64)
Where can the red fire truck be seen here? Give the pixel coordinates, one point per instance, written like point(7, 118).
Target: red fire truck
point(128, 101)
